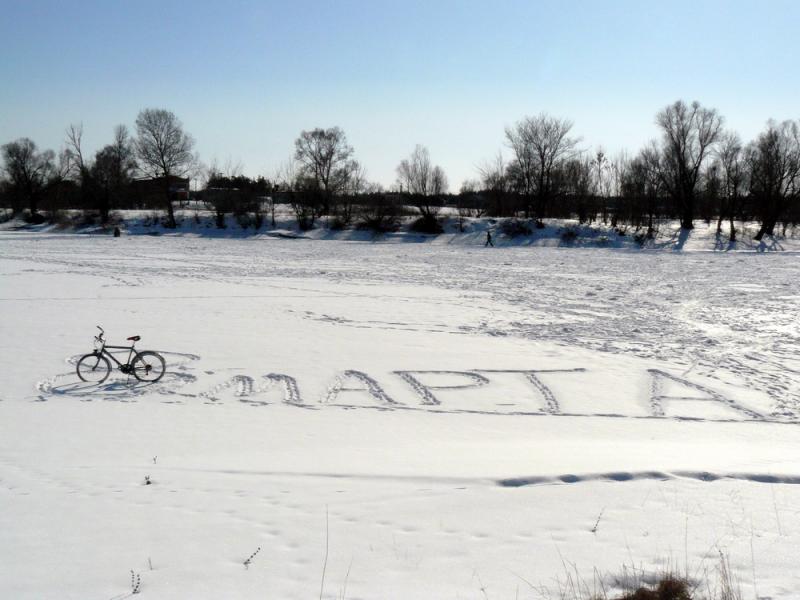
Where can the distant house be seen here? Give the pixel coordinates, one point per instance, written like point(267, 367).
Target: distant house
point(152, 190)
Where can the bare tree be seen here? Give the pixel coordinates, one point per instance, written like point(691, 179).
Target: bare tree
point(28, 171)
point(521, 172)
point(731, 166)
point(223, 189)
point(469, 202)
point(651, 161)
point(496, 184)
point(301, 192)
point(773, 161)
point(285, 175)
point(113, 169)
point(541, 145)
point(641, 188)
point(82, 172)
point(325, 156)
point(416, 175)
point(439, 183)
point(689, 135)
point(355, 184)
point(470, 186)
point(493, 173)
point(164, 150)
point(602, 181)
point(577, 179)
point(74, 141)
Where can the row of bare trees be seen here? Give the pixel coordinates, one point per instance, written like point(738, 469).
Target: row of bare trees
point(161, 151)
point(696, 169)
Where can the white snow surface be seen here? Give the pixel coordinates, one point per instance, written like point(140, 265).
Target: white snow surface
point(394, 420)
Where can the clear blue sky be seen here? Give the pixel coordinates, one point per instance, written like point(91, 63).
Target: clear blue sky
point(246, 77)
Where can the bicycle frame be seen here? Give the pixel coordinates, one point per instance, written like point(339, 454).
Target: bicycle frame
point(104, 352)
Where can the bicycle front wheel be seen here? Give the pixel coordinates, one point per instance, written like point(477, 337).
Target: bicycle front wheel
point(148, 366)
point(93, 368)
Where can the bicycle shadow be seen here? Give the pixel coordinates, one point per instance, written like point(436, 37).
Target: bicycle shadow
point(114, 389)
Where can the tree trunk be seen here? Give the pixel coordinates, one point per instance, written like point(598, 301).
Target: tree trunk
point(33, 200)
point(105, 205)
point(767, 228)
point(170, 212)
point(687, 210)
point(687, 218)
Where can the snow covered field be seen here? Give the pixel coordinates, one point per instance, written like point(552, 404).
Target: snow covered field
point(394, 420)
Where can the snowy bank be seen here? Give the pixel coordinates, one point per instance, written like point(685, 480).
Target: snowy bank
point(505, 232)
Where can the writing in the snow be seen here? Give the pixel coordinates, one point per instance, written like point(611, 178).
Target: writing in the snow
point(470, 391)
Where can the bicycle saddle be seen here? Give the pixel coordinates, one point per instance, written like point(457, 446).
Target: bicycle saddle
point(134, 338)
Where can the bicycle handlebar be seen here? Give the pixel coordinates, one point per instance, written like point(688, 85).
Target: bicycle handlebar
point(99, 338)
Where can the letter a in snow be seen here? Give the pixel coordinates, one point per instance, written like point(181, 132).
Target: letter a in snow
point(658, 399)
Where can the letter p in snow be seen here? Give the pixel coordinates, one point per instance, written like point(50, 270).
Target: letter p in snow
point(426, 391)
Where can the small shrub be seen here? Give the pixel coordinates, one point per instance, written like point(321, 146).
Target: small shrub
point(244, 220)
point(61, 219)
point(87, 219)
point(379, 215)
point(640, 238)
point(427, 224)
point(515, 227)
point(337, 223)
point(35, 218)
point(152, 220)
point(636, 584)
point(569, 235)
point(378, 224)
point(668, 588)
point(540, 224)
point(305, 223)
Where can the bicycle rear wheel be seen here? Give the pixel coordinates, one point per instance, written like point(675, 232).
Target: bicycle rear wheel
point(93, 368)
point(148, 366)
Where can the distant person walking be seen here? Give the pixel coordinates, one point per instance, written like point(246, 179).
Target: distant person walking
point(116, 232)
point(489, 241)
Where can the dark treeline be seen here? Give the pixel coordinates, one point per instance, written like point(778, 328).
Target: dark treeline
point(695, 170)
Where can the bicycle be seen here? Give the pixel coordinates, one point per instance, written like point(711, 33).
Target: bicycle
point(146, 366)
